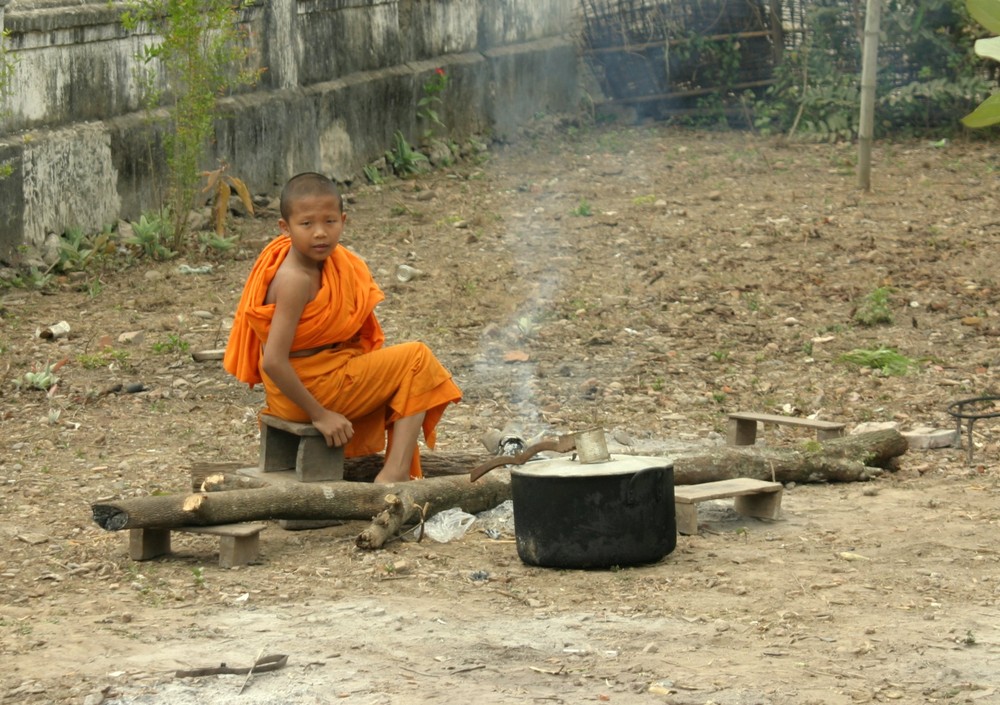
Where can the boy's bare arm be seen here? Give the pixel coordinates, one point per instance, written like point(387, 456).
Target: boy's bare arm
point(291, 295)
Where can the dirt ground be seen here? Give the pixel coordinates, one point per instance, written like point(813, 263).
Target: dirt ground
point(646, 280)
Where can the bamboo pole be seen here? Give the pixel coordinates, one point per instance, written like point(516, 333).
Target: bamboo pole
point(869, 66)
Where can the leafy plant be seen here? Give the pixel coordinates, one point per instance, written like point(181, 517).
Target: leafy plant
point(210, 242)
point(583, 209)
point(874, 309)
point(37, 279)
point(103, 358)
point(427, 106)
point(7, 64)
point(78, 251)
point(221, 185)
point(43, 379)
point(201, 57)
point(149, 235)
point(927, 71)
point(173, 344)
point(403, 158)
point(886, 360)
point(986, 13)
point(373, 174)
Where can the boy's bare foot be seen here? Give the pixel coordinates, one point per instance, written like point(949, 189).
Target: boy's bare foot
point(387, 477)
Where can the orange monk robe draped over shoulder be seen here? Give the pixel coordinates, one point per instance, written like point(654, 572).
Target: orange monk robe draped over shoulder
point(400, 380)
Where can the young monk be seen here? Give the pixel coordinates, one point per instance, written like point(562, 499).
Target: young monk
point(305, 327)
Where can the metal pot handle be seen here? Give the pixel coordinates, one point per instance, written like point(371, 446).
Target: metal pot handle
point(630, 490)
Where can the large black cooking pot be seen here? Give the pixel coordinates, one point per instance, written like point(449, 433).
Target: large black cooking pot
point(570, 515)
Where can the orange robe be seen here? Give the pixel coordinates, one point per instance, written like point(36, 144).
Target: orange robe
point(370, 384)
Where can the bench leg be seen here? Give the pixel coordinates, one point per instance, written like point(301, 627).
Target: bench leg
point(764, 505)
point(315, 461)
point(238, 550)
point(742, 432)
point(277, 449)
point(687, 518)
point(144, 544)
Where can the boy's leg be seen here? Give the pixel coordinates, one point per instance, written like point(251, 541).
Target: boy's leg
point(399, 456)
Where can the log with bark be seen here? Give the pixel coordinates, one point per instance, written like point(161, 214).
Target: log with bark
point(342, 500)
point(854, 458)
point(849, 459)
point(398, 512)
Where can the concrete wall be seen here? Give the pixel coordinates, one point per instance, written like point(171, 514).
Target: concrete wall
point(341, 76)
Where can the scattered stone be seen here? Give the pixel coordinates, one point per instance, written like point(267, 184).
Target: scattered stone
point(33, 539)
point(928, 438)
point(870, 426)
point(132, 337)
point(153, 275)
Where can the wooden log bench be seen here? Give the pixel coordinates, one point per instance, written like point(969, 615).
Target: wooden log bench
point(239, 544)
point(285, 445)
point(743, 426)
point(753, 498)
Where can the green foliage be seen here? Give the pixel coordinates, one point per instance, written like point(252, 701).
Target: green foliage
point(886, 360)
point(874, 308)
point(42, 380)
point(201, 58)
point(699, 60)
point(104, 358)
point(427, 106)
point(211, 243)
point(816, 87)
point(7, 64)
point(79, 251)
point(583, 209)
point(150, 234)
point(403, 158)
point(173, 344)
point(986, 13)
point(373, 174)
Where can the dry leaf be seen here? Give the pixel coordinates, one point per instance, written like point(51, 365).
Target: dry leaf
point(516, 356)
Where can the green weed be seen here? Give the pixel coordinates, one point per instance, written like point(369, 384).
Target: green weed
point(403, 158)
point(173, 344)
point(582, 210)
point(886, 360)
point(150, 235)
point(107, 356)
point(874, 308)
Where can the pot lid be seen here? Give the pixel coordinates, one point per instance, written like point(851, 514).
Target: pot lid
point(564, 467)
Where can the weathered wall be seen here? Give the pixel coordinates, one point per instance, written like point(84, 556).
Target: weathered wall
point(341, 76)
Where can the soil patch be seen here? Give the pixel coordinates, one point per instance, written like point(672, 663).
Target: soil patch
point(645, 280)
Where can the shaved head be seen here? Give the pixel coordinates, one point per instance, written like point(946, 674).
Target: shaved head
point(306, 185)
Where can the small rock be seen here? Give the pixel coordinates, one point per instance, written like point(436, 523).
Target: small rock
point(153, 275)
point(134, 337)
point(33, 539)
point(927, 438)
point(870, 426)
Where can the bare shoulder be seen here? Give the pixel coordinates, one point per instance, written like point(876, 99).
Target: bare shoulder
point(291, 283)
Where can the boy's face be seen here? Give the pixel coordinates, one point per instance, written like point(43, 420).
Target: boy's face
point(314, 226)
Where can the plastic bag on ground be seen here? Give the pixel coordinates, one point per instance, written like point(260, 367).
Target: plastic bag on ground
point(497, 522)
point(448, 525)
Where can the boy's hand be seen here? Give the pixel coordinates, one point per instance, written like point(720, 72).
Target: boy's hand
point(336, 428)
